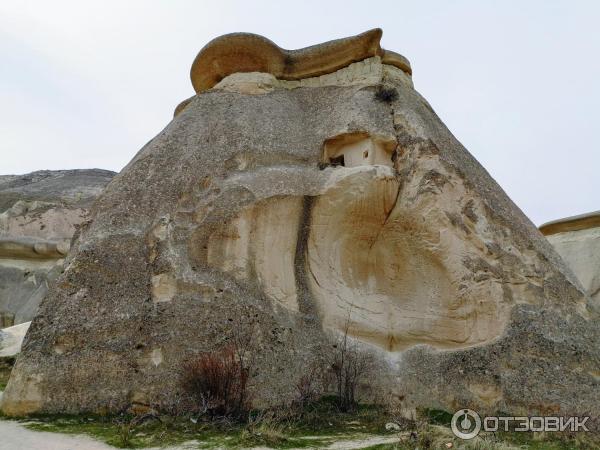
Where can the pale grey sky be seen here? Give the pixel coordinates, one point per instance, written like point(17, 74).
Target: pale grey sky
point(86, 83)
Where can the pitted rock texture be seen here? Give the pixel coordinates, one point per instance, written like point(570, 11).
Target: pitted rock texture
point(577, 240)
point(270, 204)
point(39, 214)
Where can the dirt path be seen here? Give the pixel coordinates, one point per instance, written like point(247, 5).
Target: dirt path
point(14, 435)
point(362, 443)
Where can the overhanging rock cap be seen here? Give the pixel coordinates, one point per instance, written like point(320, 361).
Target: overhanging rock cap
point(573, 223)
point(247, 52)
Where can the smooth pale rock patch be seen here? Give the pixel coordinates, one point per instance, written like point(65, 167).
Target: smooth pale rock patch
point(11, 339)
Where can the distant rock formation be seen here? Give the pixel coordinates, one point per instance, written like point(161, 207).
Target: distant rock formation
point(303, 209)
point(577, 240)
point(39, 213)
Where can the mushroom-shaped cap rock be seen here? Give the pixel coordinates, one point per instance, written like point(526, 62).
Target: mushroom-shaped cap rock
point(247, 52)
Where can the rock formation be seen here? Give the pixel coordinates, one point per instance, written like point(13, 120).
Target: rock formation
point(577, 240)
point(246, 52)
point(39, 213)
point(301, 208)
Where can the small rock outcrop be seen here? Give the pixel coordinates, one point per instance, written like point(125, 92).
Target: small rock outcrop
point(577, 240)
point(39, 213)
point(299, 211)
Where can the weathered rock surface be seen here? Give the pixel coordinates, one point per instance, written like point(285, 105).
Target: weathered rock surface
point(39, 213)
point(304, 208)
point(577, 240)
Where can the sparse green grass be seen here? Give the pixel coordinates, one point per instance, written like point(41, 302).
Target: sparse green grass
point(317, 426)
point(437, 438)
point(171, 431)
point(552, 441)
point(437, 417)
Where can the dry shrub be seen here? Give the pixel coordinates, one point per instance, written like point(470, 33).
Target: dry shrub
point(310, 386)
point(350, 366)
point(218, 382)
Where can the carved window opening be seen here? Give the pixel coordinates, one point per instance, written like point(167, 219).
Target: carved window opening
point(358, 149)
point(337, 161)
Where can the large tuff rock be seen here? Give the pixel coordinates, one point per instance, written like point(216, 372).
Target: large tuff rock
point(577, 240)
point(308, 206)
point(39, 213)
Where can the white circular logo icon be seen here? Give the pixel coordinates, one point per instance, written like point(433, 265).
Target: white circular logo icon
point(466, 424)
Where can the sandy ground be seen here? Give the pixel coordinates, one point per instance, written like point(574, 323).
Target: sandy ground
point(15, 436)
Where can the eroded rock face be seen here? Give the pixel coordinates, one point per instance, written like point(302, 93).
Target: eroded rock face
point(39, 213)
point(310, 207)
point(577, 240)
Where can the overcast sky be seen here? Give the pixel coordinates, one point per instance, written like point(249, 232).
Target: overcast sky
point(86, 83)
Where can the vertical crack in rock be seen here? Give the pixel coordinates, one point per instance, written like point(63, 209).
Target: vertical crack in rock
point(387, 217)
point(306, 304)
